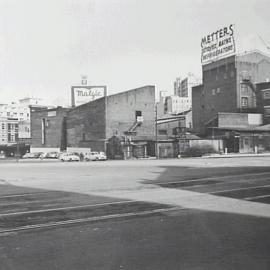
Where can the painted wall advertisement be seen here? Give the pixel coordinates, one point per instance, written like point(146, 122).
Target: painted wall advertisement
point(83, 94)
point(218, 45)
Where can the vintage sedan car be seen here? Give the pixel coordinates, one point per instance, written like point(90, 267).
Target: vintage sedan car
point(32, 155)
point(54, 155)
point(69, 157)
point(95, 156)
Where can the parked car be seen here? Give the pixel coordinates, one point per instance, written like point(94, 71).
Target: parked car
point(32, 155)
point(69, 157)
point(102, 156)
point(50, 155)
point(95, 156)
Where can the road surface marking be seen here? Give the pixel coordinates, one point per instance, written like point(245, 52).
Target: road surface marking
point(210, 178)
point(29, 194)
point(236, 189)
point(257, 197)
point(83, 220)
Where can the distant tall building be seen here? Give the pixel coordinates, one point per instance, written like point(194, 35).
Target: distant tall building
point(182, 88)
point(15, 120)
point(177, 87)
point(176, 104)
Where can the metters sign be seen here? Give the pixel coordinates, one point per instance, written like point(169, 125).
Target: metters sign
point(83, 94)
point(218, 45)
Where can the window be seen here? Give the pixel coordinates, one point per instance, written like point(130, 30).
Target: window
point(162, 132)
point(138, 116)
point(244, 102)
point(266, 94)
point(138, 113)
point(218, 90)
point(246, 141)
point(213, 92)
point(3, 126)
point(244, 89)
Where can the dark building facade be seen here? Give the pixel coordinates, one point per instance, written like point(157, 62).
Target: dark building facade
point(223, 88)
point(129, 116)
point(264, 89)
point(47, 126)
point(124, 121)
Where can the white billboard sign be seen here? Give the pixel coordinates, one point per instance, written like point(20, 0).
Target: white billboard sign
point(218, 45)
point(84, 94)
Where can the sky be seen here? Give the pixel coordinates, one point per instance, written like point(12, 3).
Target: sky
point(45, 46)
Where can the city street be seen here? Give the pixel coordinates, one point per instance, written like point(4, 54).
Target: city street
point(197, 213)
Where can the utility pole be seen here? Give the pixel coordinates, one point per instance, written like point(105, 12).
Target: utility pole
point(156, 133)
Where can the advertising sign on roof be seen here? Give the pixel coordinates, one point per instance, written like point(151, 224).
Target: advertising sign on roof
point(218, 45)
point(84, 94)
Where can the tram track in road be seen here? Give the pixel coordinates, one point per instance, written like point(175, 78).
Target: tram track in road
point(212, 179)
point(45, 209)
point(251, 187)
point(4, 232)
point(60, 216)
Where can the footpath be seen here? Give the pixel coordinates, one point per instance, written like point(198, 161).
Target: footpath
point(234, 155)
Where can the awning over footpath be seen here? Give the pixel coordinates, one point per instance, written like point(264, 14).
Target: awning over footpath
point(264, 128)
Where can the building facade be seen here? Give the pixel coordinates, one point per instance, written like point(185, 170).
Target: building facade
point(48, 129)
point(9, 130)
point(124, 122)
point(176, 104)
point(225, 89)
point(15, 120)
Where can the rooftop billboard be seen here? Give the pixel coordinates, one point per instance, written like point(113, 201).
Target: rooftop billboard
point(218, 45)
point(83, 94)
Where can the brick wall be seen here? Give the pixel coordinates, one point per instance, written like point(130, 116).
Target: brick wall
point(86, 125)
point(53, 119)
point(121, 110)
point(198, 104)
point(219, 81)
point(254, 66)
point(92, 124)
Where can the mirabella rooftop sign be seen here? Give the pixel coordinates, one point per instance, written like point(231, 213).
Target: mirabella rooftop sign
point(218, 44)
point(83, 94)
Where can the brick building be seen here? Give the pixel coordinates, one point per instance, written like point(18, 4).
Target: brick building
point(129, 115)
point(223, 90)
point(47, 128)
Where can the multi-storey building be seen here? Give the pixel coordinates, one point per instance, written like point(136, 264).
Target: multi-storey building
point(225, 89)
point(183, 87)
point(176, 104)
point(9, 130)
point(127, 118)
point(177, 86)
point(15, 120)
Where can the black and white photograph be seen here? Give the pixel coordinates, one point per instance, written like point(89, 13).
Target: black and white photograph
point(134, 135)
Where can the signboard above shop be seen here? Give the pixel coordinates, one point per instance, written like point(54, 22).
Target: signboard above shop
point(218, 45)
point(84, 94)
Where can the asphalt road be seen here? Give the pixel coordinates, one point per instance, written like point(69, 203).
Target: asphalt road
point(146, 214)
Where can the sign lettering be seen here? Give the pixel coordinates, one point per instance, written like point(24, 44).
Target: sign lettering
point(84, 94)
point(218, 45)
